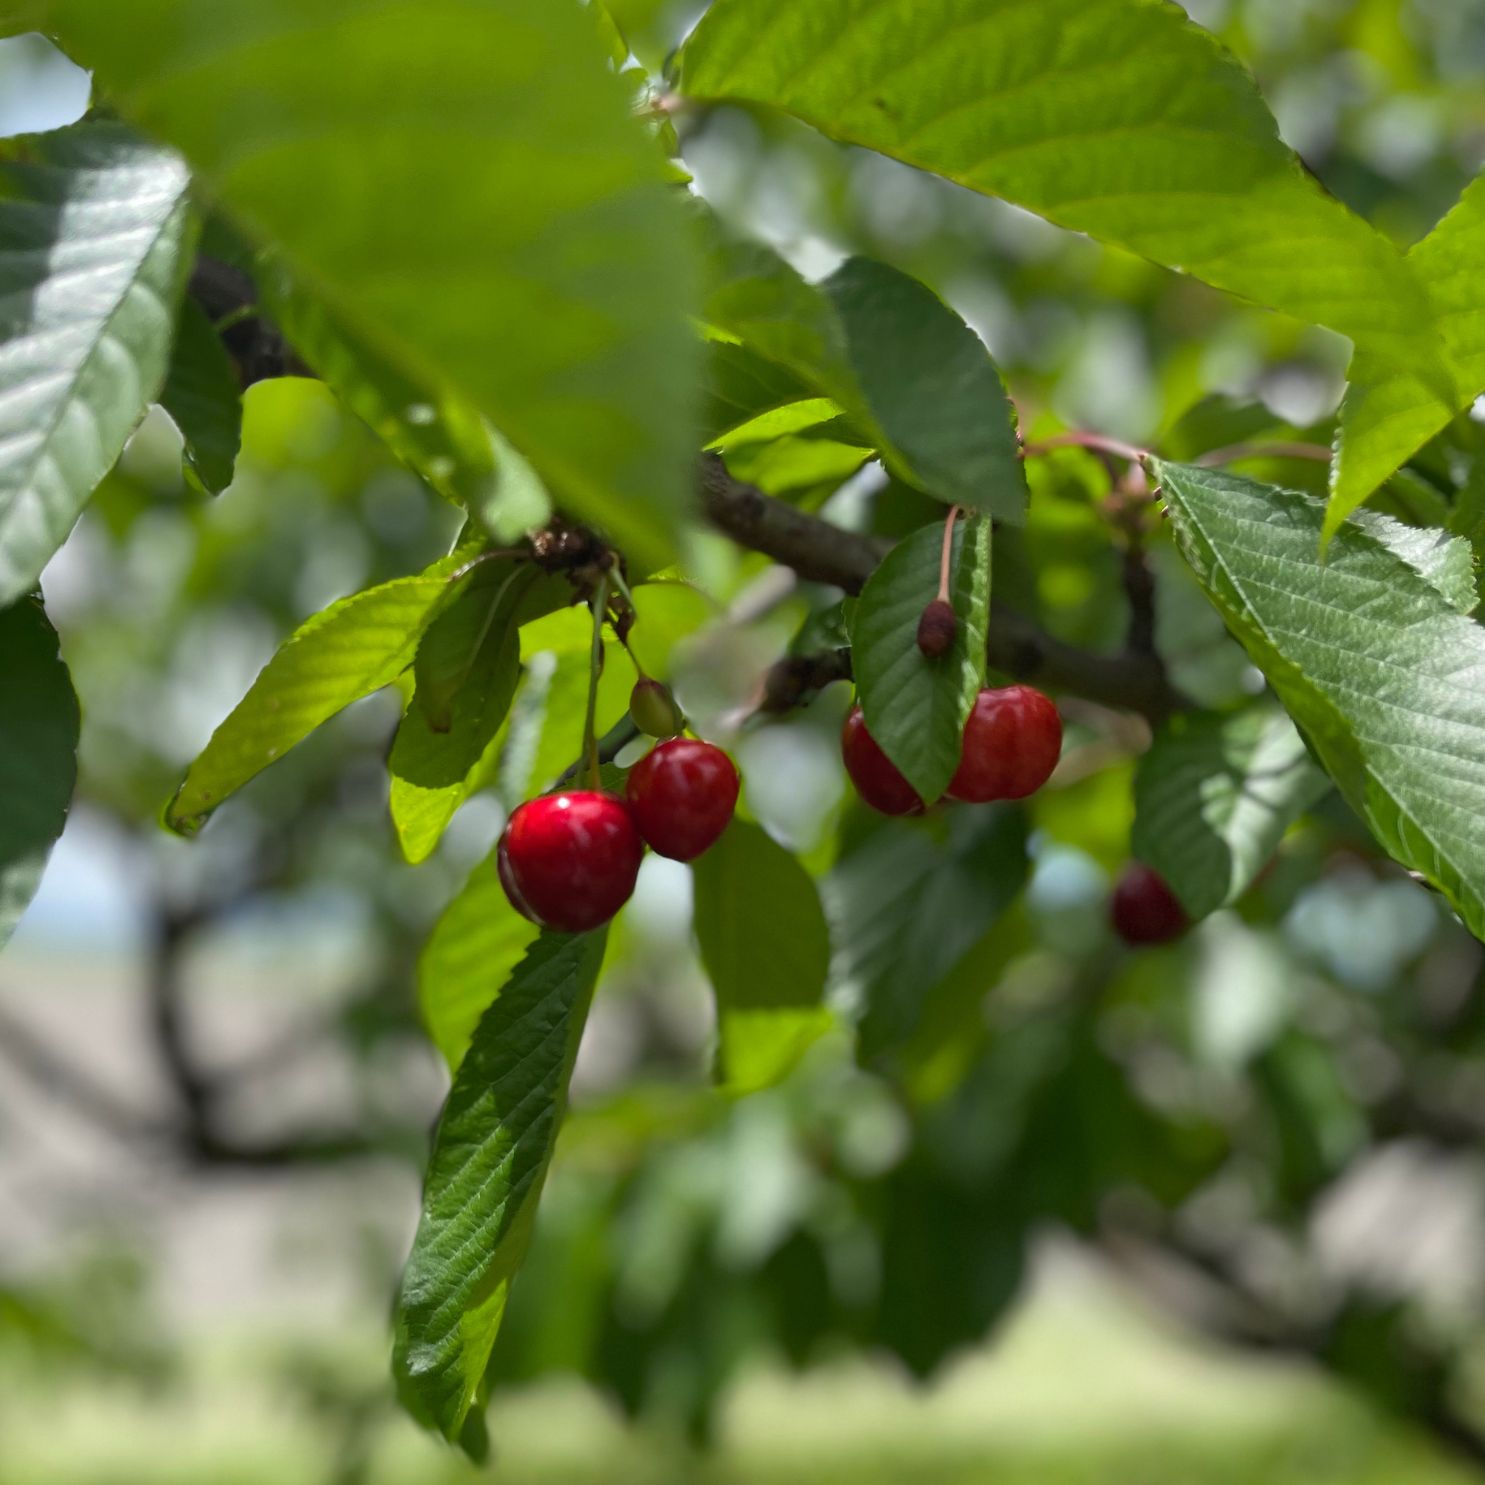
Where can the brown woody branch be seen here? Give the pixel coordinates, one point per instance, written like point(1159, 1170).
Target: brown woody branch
point(825, 553)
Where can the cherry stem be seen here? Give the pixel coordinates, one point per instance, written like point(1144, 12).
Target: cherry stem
point(590, 736)
point(1095, 441)
point(1282, 449)
point(945, 561)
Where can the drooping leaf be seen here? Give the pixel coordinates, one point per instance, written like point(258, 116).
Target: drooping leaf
point(435, 432)
point(93, 224)
point(470, 954)
point(345, 652)
point(490, 1158)
point(466, 671)
point(1118, 118)
point(766, 948)
point(1382, 672)
point(1214, 796)
point(1390, 411)
point(913, 379)
point(38, 753)
point(202, 396)
point(915, 707)
point(908, 904)
point(462, 182)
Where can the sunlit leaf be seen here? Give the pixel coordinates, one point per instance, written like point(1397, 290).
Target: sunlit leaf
point(345, 652)
point(766, 948)
point(462, 181)
point(93, 225)
point(1382, 672)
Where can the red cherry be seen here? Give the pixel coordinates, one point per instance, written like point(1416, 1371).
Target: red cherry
point(1144, 910)
point(1012, 741)
point(874, 774)
point(682, 794)
point(568, 861)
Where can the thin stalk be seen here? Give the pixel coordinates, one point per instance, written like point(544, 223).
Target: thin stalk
point(945, 561)
point(590, 736)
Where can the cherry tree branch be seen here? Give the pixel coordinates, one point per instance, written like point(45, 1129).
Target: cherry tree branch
point(822, 552)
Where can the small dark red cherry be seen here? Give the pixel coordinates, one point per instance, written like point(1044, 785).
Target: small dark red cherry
point(1012, 741)
point(682, 794)
point(936, 627)
point(1144, 910)
point(874, 774)
point(568, 861)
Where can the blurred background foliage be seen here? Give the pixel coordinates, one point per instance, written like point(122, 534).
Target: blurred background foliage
point(1085, 1196)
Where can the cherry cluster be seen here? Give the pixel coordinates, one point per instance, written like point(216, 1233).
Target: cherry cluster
point(1011, 744)
point(569, 860)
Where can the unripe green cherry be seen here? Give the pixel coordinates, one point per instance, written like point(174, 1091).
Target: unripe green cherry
point(653, 710)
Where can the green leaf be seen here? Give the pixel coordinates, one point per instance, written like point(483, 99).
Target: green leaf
point(38, 754)
point(463, 184)
point(766, 948)
point(434, 432)
point(911, 902)
point(915, 707)
point(93, 223)
point(490, 1158)
point(345, 652)
point(472, 951)
point(911, 376)
point(1382, 672)
point(466, 671)
point(1390, 410)
point(749, 398)
point(202, 396)
point(1446, 563)
point(1118, 118)
point(1213, 798)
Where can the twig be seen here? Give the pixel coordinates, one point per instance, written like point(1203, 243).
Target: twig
point(1279, 450)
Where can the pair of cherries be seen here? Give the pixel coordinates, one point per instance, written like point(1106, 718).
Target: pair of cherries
point(569, 860)
point(1012, 742)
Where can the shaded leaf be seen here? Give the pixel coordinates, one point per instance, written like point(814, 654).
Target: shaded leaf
point(202, 396)
point(470, 954)
point(93, 222)
point(915, 707)
point(490, 1157)
point(466, 671)
point(345, 652)
point(433, 431)
point(766, 948)
point(908, 904)
point(1384, 675)
point(464, 183)
point(910, 376)
point(1213, 798)
point(38, 754)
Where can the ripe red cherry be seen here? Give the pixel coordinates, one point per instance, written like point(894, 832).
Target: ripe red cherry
point(1012, 741)
point(874, 774)
point(568, 861)
point(682, 794)
point(1144, 910)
